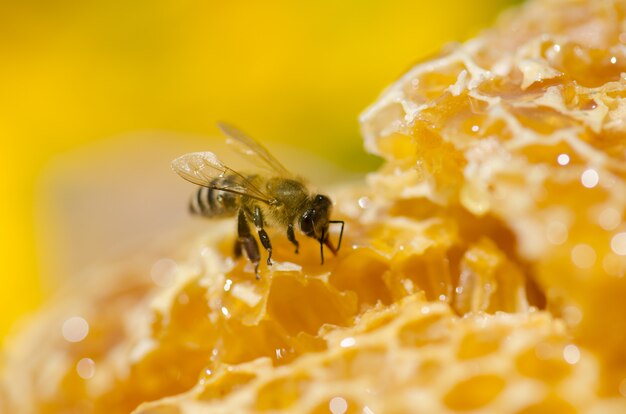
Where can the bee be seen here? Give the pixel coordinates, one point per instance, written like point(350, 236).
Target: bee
point(277, 198)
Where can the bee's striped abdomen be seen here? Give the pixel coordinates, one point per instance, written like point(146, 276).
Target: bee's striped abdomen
point(211, 202)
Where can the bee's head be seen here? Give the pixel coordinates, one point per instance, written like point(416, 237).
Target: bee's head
point(315, 220)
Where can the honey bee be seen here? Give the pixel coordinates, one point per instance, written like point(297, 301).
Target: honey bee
point(277, 198)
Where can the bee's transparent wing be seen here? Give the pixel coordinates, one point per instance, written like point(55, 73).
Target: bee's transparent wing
point(253, 149)
point(204, 169)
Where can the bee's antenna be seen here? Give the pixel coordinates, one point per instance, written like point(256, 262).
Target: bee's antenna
point(322, 246)
point(340, 233)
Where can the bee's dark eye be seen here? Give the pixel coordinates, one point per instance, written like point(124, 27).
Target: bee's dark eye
point(314, 221)
point(306, 222)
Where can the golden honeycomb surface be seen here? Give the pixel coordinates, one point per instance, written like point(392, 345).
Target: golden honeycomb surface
point(482, 267)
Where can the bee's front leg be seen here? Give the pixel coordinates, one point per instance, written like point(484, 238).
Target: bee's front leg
point(292, 237)
point(247, 242)
point(257, 217)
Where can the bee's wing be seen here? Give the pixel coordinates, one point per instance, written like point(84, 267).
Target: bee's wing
point(203, 168)
point(253, 149)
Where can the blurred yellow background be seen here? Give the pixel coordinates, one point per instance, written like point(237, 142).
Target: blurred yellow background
point(75, 73)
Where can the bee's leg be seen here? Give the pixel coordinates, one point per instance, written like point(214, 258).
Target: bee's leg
point(292, 237)
point(265, 240)
point(247, 242)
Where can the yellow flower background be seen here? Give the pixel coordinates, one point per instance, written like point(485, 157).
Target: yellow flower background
point(78, 73)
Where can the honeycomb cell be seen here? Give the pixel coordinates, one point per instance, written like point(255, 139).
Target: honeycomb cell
point(281, 393)
point(544, 361)
point(326, 305)
point(480, 343)
point(474, 393)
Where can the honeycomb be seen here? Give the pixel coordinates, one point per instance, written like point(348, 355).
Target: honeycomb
point(482, 268)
